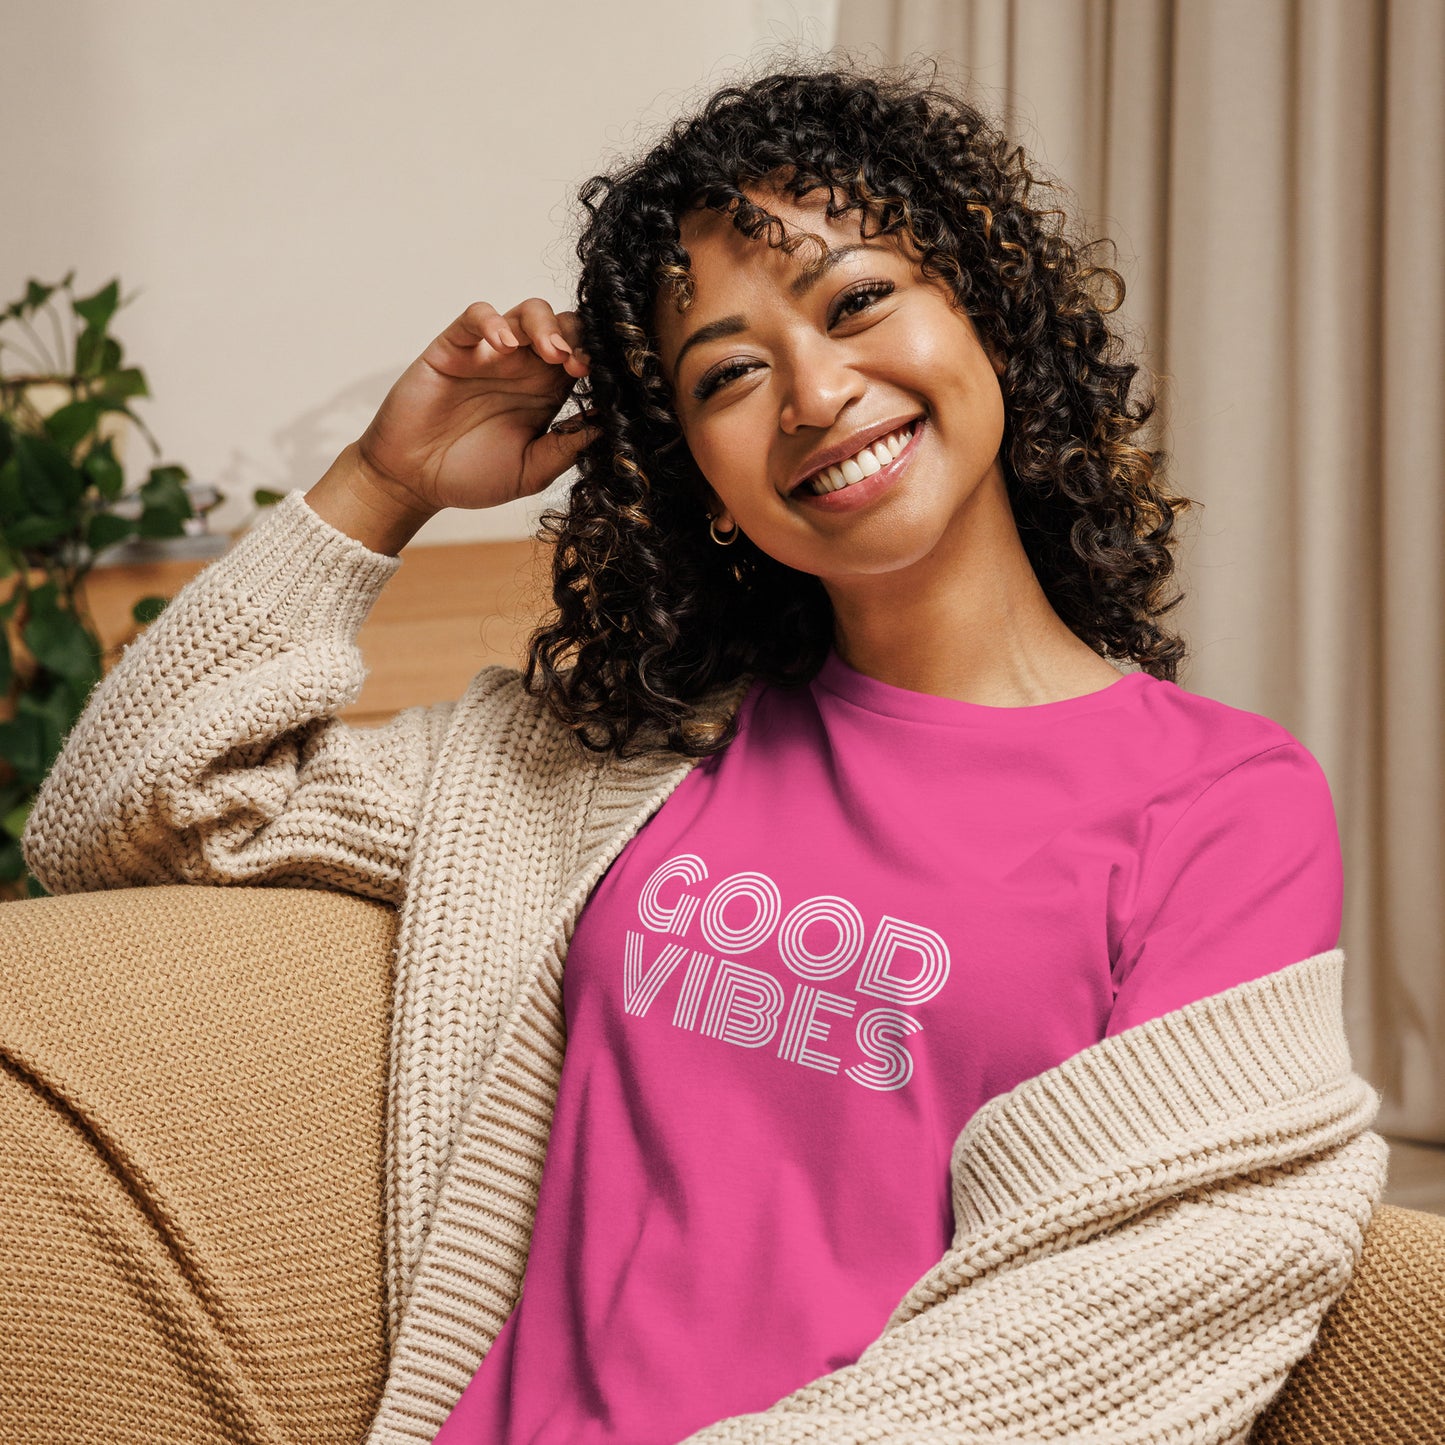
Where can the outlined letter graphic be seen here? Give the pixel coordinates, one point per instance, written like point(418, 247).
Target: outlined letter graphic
point(639, 987)
point(675, 919)
point(876, 1033)
point(803, 1026)
point(756, 889)
point(699, 967)
point(847, 925)
point(893, 934)
point(744, 1005)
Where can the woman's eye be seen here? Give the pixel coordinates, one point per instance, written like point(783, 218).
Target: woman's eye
point(715, 379)
point(868, 292)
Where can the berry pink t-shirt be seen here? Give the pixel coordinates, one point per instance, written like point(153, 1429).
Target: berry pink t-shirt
point(874, 911)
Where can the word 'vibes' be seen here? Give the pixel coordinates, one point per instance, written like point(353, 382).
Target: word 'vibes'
point(902, 963)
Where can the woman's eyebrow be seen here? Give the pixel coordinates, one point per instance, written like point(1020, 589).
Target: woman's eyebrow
point(811, 275)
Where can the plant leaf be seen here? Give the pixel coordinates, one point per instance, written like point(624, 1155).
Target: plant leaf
point(96, 310)
point(102, 468)
point(45, 595)
point(60, 642)
point(71, 422)
point(165, 482)
point(51, 484)
point(89, 352)
point(148, 609)
point(167, 506)
point(12, 494)
point(34, 530)
point(14, 821)
point(130, 381)
point(105, 529)
point(36, 295)
point(22, 745)
point(55, 713)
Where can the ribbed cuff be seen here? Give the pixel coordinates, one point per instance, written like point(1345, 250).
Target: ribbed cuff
point(1261, 1045)
point(319, 577)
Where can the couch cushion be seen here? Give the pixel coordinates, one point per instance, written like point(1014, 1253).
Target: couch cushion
point(191, 1144)
point(1376, 1371)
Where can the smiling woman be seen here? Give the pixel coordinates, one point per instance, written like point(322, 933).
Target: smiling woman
point(837, 358)
point(828, 323)
point(891, 1023)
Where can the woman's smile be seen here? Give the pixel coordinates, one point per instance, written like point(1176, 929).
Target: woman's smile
point(786, 361)
point(851, 486)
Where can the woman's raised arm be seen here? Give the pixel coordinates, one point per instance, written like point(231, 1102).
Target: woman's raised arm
point(211, 753)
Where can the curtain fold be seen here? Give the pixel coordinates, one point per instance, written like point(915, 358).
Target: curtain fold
point(1273, 175)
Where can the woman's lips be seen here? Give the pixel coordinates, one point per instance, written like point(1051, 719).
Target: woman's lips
point(860, 494)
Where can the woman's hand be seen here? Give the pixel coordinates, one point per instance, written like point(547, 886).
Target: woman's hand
point(467, 423)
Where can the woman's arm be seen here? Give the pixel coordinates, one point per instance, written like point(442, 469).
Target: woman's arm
point(210, 753)
point(1149, 1236)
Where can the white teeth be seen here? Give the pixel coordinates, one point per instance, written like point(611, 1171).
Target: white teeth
point(872, 458)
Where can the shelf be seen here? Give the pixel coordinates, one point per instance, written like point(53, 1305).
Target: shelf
point(451, 609)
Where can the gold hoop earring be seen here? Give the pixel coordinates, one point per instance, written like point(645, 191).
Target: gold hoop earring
point(725, 541)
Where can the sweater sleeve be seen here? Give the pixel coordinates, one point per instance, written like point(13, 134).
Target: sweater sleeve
point(210, 752)
point(1161, 1285)
point(1247, 880)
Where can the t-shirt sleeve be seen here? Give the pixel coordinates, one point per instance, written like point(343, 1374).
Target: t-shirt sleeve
point(1248, 880)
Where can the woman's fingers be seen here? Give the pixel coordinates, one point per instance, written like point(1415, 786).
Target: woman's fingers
point(479, 335)
point(482, 332)
point(553, 336)
point(538, 323)
point(558, 448)
point(570, 325)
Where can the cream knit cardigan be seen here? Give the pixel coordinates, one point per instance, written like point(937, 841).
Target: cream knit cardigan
point(1147, 1236)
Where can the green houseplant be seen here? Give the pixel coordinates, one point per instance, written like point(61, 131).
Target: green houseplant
point(60, 481)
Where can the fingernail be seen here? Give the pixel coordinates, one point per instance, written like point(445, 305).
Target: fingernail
point(508, 337)
point(559, 342)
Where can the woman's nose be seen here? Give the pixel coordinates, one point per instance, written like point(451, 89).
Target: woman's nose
point(819, 381)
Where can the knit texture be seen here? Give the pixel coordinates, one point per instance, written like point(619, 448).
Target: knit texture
point(1148, 1235)
point(191, 1128)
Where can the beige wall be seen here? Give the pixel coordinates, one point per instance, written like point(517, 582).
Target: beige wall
point(301, 196)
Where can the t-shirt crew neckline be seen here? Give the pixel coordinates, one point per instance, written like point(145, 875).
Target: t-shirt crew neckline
point(846, 682)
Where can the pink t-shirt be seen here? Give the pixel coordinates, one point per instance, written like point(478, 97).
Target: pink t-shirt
point(874, 911)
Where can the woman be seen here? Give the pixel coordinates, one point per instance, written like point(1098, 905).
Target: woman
point(925, 974)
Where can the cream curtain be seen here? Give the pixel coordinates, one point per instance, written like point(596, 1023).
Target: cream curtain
point(1273, 172)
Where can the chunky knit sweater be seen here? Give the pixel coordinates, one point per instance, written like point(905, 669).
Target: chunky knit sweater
point(1147, 1236)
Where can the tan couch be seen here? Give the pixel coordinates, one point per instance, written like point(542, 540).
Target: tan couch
point(191, 1155)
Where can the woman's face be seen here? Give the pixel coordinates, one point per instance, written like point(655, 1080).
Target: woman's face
point(768, 372)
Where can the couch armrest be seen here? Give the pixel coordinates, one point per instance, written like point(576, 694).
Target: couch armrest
point(192, 1111)
point(203, 1074)
point(1376, 1371)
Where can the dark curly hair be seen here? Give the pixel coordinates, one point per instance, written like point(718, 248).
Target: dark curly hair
point(650, 615)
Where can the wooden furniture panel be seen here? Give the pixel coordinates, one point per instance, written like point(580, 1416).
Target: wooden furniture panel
point(451, 609)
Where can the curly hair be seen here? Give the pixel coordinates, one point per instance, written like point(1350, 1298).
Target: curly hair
point(650, 615)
